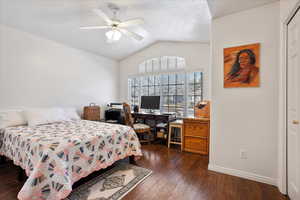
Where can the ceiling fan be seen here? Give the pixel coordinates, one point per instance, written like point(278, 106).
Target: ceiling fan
point(116, 28)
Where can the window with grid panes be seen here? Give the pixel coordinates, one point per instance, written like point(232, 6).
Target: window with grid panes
point(179, 92)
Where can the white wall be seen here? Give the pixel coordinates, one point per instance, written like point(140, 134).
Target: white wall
point(246, 118)
point(40, 72)
point(197, 57)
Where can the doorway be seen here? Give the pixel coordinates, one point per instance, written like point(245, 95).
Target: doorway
point(293, 107)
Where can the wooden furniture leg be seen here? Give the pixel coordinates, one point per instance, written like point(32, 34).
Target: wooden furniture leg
point(131, 160)
point(169, 136)
point(2, 160)
point(181, 138)
point(177, 124)
point(149, 137)
point(21, 174)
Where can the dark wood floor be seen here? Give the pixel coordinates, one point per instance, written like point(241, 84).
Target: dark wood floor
point(176, 175)
point(184, 176)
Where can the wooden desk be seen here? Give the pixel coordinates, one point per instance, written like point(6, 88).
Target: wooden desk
point(162, 117)
point(196, 135)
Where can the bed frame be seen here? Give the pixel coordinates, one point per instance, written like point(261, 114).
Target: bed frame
point(22, 175)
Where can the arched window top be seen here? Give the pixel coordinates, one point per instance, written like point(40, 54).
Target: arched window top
point(162, 64)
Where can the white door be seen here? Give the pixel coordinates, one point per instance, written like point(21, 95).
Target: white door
point(293, 108)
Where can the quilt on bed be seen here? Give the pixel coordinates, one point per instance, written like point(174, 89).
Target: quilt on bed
point(55, 156)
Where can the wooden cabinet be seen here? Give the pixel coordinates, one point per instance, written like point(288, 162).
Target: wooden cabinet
point(196, 135)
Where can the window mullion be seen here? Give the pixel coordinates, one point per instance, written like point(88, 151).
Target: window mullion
point(139, 82)
point(161, 93)
point(169, 94)
point(202, 95)
point(175, 97)
point(168, 85)
point(148, 86)
point(185, 94)
point(194, 90)
point(176, 87)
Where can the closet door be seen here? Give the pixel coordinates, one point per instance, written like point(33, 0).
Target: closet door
point(293, 106)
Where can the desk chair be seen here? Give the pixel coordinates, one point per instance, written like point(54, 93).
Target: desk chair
point(140, 129)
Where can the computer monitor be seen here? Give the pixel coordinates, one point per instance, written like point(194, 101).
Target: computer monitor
point(150, 102)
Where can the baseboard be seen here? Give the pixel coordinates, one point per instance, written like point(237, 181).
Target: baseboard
point(243, 174)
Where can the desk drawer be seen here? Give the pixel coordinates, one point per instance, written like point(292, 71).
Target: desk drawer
point(196, 129)
point(196, 145)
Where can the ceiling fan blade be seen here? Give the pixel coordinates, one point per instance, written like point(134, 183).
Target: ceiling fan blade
point(131, 34)
point(131, 22)
point(101, 14)
point(94, 27)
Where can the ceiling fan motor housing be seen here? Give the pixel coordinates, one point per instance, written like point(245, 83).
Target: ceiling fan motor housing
point(114, 8)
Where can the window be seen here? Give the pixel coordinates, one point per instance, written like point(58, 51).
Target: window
point(195, 93)
point(134, 87)
point(179, 92)
point(162, 64)
point(173, 93)
point(150, 86)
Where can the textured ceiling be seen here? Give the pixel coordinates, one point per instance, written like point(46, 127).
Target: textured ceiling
point(220, 8)
point(59, 20)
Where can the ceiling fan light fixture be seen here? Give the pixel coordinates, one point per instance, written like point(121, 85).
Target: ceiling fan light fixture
point(113, 35)
point(116, 28)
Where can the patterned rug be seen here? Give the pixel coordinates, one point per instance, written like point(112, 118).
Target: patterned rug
point(111, 185)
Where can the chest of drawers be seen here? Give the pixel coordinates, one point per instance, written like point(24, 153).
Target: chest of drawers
point(196, 135)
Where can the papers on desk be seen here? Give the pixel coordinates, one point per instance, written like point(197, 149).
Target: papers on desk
point(162, 125)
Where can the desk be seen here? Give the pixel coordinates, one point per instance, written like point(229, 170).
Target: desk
point(162, 117)
point(152, 119)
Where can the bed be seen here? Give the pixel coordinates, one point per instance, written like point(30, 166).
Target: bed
point(54, 156)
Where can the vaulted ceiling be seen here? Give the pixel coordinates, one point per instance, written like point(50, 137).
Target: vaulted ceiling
point(165, 20)
point(59, 20)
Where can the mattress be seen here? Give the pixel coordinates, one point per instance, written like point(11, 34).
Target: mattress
point(54, 156)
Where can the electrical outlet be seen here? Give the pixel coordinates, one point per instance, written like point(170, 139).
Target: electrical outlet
point(243, 154)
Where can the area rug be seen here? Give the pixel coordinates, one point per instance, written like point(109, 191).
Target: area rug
point(111, 185)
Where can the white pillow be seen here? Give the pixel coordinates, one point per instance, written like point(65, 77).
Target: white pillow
point(39, 116)
point(12, 118)
point(71, 113)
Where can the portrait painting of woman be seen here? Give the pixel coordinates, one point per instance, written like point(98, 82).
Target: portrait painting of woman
point(241, 66)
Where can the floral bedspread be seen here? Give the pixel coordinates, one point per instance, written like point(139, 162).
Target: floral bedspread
point(55, 156)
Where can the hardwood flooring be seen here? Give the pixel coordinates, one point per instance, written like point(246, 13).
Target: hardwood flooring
point(184, 176)
point(176, 176)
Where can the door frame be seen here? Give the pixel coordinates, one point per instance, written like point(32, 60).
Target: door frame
point(282, 125)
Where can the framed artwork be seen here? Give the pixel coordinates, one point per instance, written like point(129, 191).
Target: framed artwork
point(242, 66)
